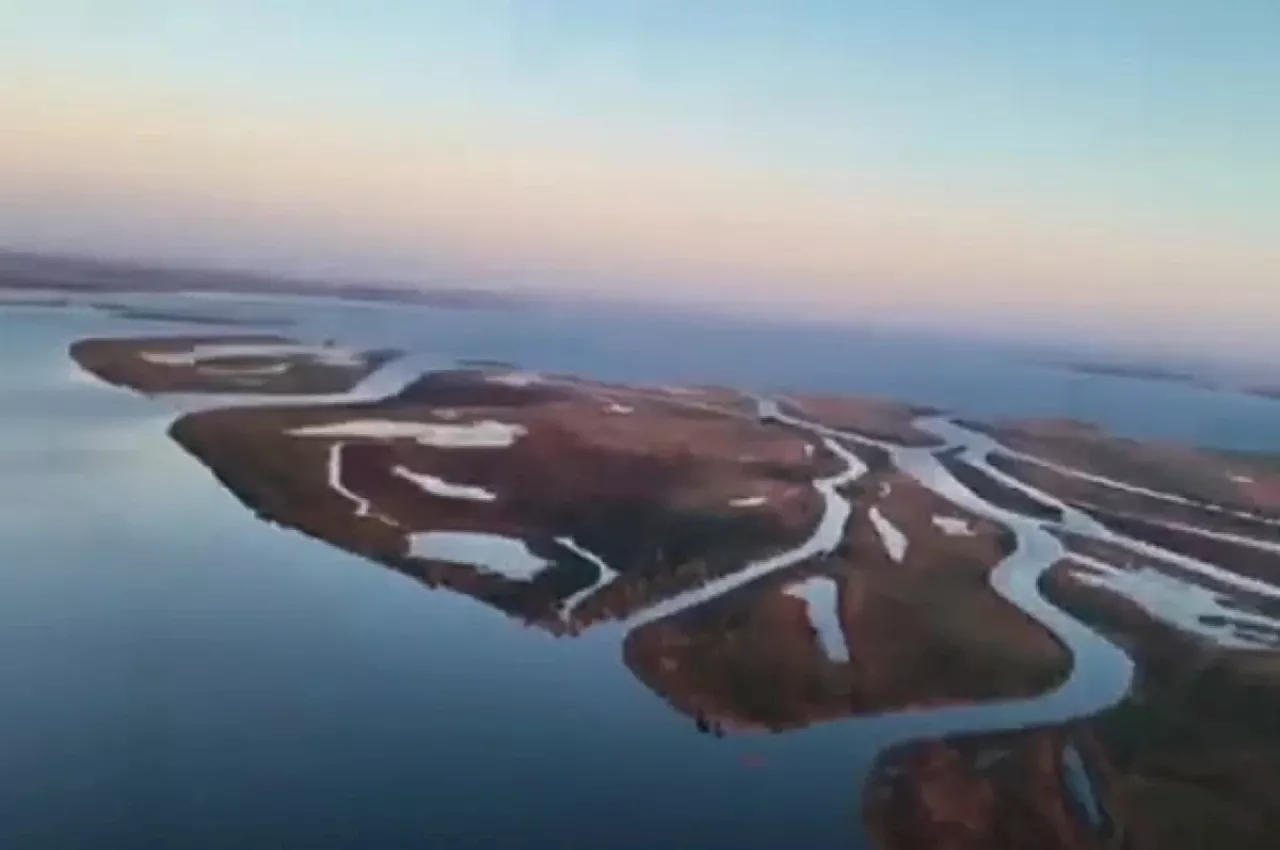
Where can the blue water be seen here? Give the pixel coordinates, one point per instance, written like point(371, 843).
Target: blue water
point(179, 675)
point(959, 375)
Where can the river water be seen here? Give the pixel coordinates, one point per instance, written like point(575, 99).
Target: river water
point(180, 675)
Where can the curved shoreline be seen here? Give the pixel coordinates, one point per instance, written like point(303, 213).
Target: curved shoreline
point(825, 537)
point(1100, 674)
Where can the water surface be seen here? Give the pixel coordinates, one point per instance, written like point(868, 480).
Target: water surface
point(181, 675)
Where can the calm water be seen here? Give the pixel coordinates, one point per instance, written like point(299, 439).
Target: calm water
point(180, 675)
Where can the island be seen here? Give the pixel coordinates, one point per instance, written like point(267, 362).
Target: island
point(35, 299)
point(1048, 789)
point(136, 313)
point(876, 418)
point(768, 565)
point(1237, 383)
point(559, 502)
point(22, 271)
point(259, 364)
point(1136, 371)
point(900, 616)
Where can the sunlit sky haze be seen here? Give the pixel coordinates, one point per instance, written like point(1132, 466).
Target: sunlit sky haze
point(1087, 168)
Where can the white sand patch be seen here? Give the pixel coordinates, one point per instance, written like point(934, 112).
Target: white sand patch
point(885, 489)
point(515, 379)
point(477, 435)
point(447, 413)
point(1181, 604)
point(493, 553)
point(1241, 479)
point(387, 429)
point(895, 542)
point(748, 502)
point(445, 489)
point(620, 408)
point(823, 602)
point(953, 526)
point(245, 371)
point(328, 355)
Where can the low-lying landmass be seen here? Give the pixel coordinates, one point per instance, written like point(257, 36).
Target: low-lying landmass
point(1205, 380)
point(552, 501)
point(1241, 483)
point(486, 363)
point(131, 312)
point(571, 504)
point(999, 493)
point(1195, 749)
point(1266, 391)
point(1134, 370)
point(23, 271)
point(879, 419)
point(258, 364)
point(136, 313)
point(900, 616)
point(23, 299)
point(1048, 789)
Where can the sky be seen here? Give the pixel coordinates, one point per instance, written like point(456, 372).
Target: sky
point(1091, 168)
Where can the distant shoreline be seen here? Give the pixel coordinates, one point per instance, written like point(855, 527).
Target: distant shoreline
point(1162, 374)
point(26, 272)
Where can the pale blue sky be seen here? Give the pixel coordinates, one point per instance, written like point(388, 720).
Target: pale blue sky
point(1125, 117)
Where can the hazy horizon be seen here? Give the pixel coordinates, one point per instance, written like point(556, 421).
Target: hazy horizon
point(1085, 172)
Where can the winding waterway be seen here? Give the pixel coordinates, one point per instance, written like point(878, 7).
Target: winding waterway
point(1100, 675)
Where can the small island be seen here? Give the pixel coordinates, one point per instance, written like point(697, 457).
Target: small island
point(1135, 371)
point(230, 364)
point(22, 271)
point(136, 313)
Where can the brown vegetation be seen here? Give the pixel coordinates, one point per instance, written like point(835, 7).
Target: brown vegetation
point(927, 631)
point(1243, 482)
point(1013, 791)
point(1196, 746)
point(123, 363)
point(879, 419)
point(650, 492)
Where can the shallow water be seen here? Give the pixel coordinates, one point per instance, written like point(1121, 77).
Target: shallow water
point(967, 377)
point(822, 602)
point(181, 675)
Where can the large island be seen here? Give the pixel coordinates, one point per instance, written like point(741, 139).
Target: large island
point(768, 567)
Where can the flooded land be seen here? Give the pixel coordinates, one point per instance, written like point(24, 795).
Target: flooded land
point(877, 623)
